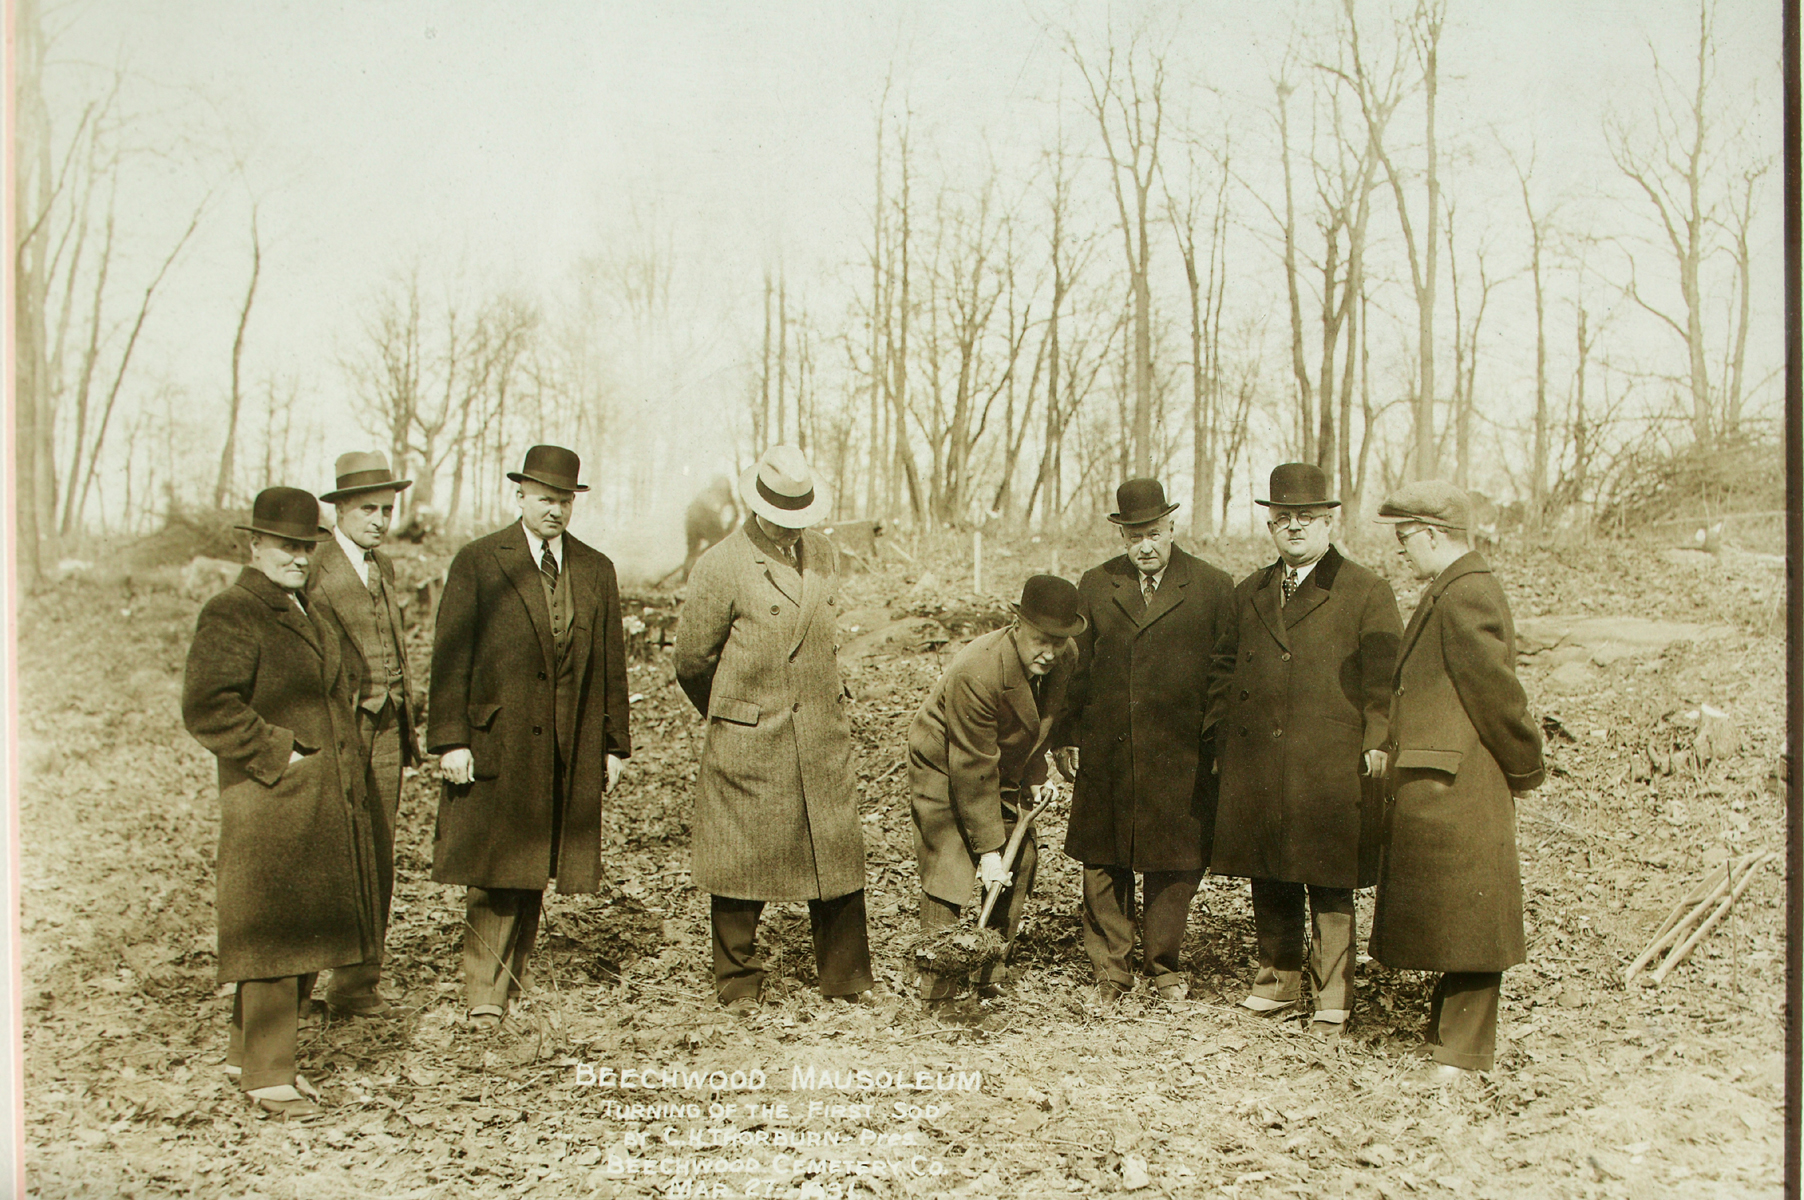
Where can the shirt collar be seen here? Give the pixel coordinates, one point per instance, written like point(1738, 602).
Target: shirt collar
point(537, 544)
point(355, 553)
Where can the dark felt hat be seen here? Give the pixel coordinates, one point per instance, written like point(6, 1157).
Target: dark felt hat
point(1049, 604)
point(1429, 502)
point(552, 466)
point(286, 512)
point(363, 471)
point(1140, 501)
point(1298, 485)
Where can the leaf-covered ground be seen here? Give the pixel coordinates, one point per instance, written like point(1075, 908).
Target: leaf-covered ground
point(1599, 1091)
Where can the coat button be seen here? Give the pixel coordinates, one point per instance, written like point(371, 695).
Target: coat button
point(536, 729)
point(1276, 734)
point(1285, 656)
point(1243, 731)
point(542, 675)
point(796, 707)
point(1243, 694)
point(829, 599)
point(774, 610)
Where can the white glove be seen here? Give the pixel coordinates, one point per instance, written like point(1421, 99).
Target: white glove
point(459, 765)
point(990, 872)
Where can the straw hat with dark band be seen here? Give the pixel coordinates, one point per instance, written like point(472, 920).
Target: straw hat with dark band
point(781, 488)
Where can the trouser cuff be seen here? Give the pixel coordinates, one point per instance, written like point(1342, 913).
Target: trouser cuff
point(1471, 1062)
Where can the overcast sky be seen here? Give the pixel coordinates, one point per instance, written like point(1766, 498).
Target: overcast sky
point(510, 139)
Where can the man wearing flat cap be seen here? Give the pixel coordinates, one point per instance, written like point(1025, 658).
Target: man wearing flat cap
point(1462, 746)
point(977, 744)
point(266, 692)
point(351, 589)
point(1303, 679)
point(776, 803)
point(529, 716)
point(1144, 800)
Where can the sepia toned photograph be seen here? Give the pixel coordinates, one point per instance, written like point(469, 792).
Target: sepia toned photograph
point(897, 599)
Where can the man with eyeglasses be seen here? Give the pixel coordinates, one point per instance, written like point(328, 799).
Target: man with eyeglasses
point(1302, 705)
point(1137, 743)
point(1462, 745)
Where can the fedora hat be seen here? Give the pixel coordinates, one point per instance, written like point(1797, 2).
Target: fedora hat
point(781, 488)
point(1140, 501)
point(363, 471)
point(286, 512)
point(1049, 604)
point(552, 466)
point(1299, 485)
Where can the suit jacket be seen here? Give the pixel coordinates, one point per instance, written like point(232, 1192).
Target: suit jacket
point(1144, 796)
point(296, 874)
point(1303, 690)
point(342, 601)
point(1461, 741)
point(776, 804)
point(979, 738)
point(494, 689)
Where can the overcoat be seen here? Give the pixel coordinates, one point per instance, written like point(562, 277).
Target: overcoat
point(341, 600)
point(1461, 741)
point(979, 735)
point(296, 870)
point(1303, 691)
point(494, 670)
point(776, 804)
point(1145, 798)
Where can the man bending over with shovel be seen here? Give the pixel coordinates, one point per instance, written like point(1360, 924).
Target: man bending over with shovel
point(977, 744)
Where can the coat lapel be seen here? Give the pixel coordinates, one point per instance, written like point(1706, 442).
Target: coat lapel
point(781, 575)
point(1015, 687)
point(1464, 565)
point(1127, 590)
point(345, 593)
point(814, 588)
point(1314, 591)
point(1268, 602)
point(514, 554)
point(580, 572)
point(1170, 592)
point(288, 613)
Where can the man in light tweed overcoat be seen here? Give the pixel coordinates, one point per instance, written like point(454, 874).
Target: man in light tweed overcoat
point(776, 806)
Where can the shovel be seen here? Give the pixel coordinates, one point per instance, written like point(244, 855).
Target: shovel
point(958, 950)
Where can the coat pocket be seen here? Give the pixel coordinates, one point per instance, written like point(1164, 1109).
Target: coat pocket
point(1429, 760)
point(484, 742)
point(739, 712)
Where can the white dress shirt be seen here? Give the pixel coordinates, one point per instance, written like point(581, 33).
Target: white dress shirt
point(537, 545)
point(355, 553)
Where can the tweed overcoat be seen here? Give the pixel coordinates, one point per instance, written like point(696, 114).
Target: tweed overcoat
point(494, 671)
point(1145, 798)
point(776, 804)
point(1461, 741)
point(977, 737)
point(341, 600)
point(296, 869)
point(1303, 691)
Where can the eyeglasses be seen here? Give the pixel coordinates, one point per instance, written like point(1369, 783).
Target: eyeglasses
point(1403, 535)
point(1304, 519)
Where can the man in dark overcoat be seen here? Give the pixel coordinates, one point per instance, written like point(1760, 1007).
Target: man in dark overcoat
point(1303, 682)
point(776, 804)
point(351, 589)
point(978, 742)
point(528, 712)
point(1145, 797)
point(1462, 746)
point(264, 690)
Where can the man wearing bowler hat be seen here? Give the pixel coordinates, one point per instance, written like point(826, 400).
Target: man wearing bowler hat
point(776, 805)
point(528, 713)
point(351, 589)
point(1462, 746)
point(265, 691)
point(977, 743)
point(1303, 702)
point(1145, 798)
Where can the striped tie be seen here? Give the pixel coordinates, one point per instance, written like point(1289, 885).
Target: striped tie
point(372, 576)
point(1290, 582)
point(548, 564)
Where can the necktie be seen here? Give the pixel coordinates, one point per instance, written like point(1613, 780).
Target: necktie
point(548, 564)
point(372, 575)
point(1147, 588)
point(1290, 582)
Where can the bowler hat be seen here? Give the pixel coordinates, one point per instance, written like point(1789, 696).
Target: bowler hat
point(363, 471)
point(286, 512)
point(552, 466)
point(780, 487)
point(1140, 501)
point(1428, 502)
point(1049, 604)
point(1298, 485)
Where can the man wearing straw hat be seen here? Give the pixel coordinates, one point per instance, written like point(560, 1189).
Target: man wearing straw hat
point(1144, 800)
point(977, 743)
point(776, 807)
point(1462, 746)
point(351, 589)
point(1303, 701)
point(264, 690)
point(529, 715)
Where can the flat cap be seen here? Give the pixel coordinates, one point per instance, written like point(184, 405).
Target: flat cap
point(1430, 502)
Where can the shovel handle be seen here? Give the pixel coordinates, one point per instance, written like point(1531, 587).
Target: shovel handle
point(1023, 822)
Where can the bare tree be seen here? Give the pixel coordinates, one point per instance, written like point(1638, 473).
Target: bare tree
point(223, 485)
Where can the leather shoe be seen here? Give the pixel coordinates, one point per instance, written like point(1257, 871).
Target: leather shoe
point(1440, 1074)
point(286, 1100)
point(1265, 1006)
point(742, 1006)
point(1171, 993)
point(1108, 994)
point(1330, 1030)
point(485, 1018)
point(376, 1007)
point(861, 999)
point(989, 991)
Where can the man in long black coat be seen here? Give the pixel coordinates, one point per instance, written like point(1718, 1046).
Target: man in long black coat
point(1145, 798)
point(265, 691)
point(1304, 683)
point(529, 712)
point(1462, 746)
